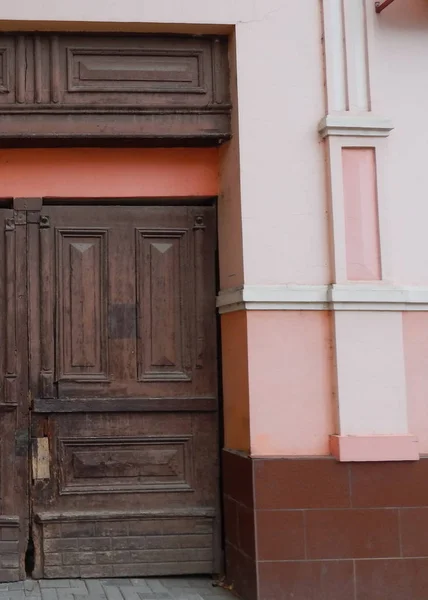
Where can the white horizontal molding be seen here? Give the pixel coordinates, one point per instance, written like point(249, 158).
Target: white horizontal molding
point(356, 125)
point(351, 296)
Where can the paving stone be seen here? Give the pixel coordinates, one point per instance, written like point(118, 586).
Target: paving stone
point(94, 586)
point(16, 585)
point(180, 592)
point(129, 593)
point(90, 597)
point(157, 586)
point(200, 582)
point(151, 588)
point(216, 592)
point(113, 593)
point(48, 594)
point(176, 582)
point(153, 596)
point(139, 583)
point(115, 582)
point(79, 584)
point(54, 583)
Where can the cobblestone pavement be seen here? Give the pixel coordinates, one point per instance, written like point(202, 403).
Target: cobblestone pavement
point(170, 588)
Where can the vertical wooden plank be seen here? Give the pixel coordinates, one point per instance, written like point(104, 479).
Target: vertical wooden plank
point(220, 71)
point(198, 229)
point(46, 310)
point(55, 71)
point(20, 69)
point(37, 69)
point(11, 349)
point(21, 484)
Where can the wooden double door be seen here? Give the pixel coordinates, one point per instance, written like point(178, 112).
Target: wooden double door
point(108, 397)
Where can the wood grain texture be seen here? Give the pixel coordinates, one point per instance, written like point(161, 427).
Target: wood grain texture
point(133, 420)
point(70, 86)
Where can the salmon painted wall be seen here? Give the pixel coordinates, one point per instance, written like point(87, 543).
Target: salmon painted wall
point(109, 173)
point(400, 92)
point(290, 382)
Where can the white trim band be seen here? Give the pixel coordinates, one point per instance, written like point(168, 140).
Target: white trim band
point(364, 125)
point(370, 297)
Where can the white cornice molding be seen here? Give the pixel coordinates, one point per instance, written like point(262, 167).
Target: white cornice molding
point(358, 296)
point(364, 125)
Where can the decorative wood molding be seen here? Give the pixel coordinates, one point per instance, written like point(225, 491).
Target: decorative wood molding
point(369, 297)
point(141, 88)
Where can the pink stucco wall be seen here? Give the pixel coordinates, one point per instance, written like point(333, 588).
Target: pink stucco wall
point(400, 92)
point(361, 214)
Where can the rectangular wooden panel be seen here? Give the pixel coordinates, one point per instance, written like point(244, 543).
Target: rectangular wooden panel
point(134, 70)
point(4, 71)
point(150, 70)
point(82, 353)
point(9, 548)
point(117, 465)
point(163, 287)
point(7, 70)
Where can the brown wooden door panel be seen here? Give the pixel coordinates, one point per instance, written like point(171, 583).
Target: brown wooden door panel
point(92, 458)
point(123, 373)
point(14, 511)
point(128, 300)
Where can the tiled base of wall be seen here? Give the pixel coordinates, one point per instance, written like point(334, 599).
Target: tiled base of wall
point(316, 529)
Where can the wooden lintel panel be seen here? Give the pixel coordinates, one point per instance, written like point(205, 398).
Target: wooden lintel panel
point(68, 86)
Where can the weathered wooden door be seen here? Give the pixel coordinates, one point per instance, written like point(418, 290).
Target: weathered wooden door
point(122, 389)
point(14, 400)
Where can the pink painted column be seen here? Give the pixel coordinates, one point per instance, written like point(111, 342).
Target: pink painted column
point(370, 382)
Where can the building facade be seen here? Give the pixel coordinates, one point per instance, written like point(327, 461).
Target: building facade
point(322, 295)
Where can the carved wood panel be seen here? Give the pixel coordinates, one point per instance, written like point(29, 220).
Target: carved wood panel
point(123, 464)
point(82, 304)
point(140, 86)
point(164, 302)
